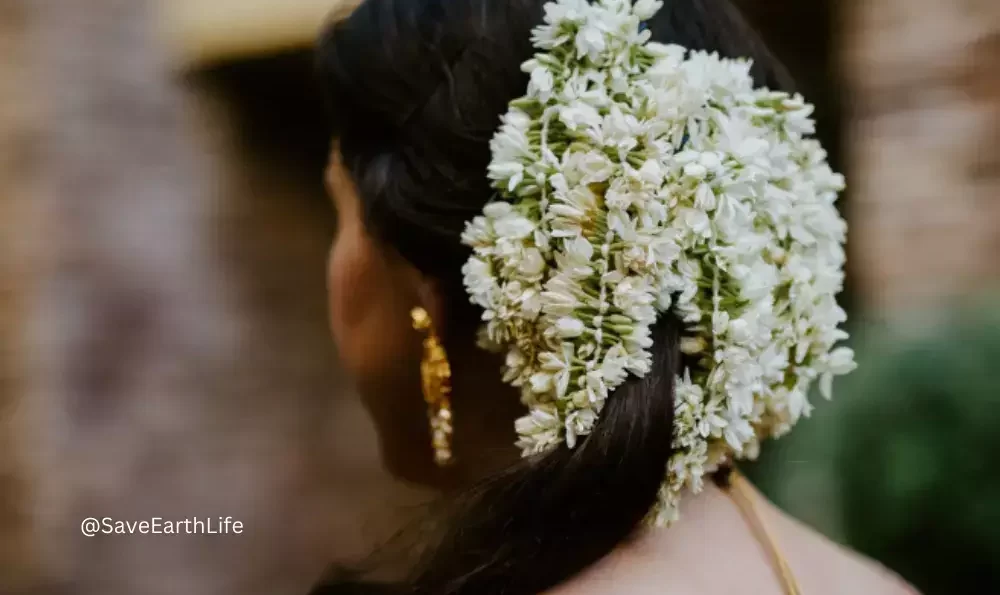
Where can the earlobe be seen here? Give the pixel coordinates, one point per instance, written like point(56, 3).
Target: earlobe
point(421, 291)
point(430, 298)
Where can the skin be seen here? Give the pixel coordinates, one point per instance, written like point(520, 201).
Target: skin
point(371, 292)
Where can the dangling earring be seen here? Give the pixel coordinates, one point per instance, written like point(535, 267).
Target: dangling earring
point(435, 376)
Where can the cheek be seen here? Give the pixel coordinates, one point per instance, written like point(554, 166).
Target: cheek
point(346, 283)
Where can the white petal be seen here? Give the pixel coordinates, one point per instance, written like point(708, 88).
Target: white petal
point(569, 327)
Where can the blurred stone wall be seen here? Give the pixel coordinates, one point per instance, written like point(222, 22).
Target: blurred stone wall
point(17, 555)
point(179, 359)
point(924, 149)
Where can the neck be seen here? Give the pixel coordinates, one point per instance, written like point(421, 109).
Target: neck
point(484, 410)
point(483, 414)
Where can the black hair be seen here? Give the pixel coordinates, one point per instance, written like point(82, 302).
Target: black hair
point(416, 90)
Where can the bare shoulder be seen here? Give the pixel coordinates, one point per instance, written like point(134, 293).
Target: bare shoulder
point(827, 568)
point(712, 552)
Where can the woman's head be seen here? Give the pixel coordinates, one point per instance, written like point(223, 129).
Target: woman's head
point(417, 88)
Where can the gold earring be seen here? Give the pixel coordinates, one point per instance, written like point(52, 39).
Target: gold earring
point(435, 377)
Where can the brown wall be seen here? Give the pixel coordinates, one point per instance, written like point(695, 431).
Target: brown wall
point(17, 555)
point(181, 361)
point(924, 142)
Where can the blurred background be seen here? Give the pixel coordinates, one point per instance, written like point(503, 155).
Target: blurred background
point(163, 338)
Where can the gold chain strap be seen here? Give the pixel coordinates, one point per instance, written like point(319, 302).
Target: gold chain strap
point(739, 492)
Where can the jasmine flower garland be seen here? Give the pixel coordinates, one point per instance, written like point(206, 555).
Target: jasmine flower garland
point(636, 178)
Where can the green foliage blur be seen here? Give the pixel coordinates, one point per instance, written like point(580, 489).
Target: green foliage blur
point(901, 465)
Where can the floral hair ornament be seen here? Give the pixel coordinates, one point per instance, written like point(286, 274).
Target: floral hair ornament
point(636, 178)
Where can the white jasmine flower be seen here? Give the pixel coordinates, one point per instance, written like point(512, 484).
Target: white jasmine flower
point(580, 115)
point(568, 327)
point(773, 362)
point(738, 432)
point(740, 331)
point(720, 323)
point(557, 364)
point(532, 262)
point(695, 171)
point(559, 304)
point(541, 83)
point(566, 10)
point(561, 296)
point(477, 233)
point(574, 261)
point(579, 423)
point(539, 430)
point(513, 226)
point(613, 369)
point(620, 130)
point(593, 166)
point(541, 382)
point(597, 390)
point(514, 366)
point(479, 281)
point(579, 251)
point(531, 303)
point(759, 281)
point(636, 343)
point(697, 222)
point(645, 9)
point(590, 42)
point(497, 209)
point(512, 171)
point(687, 391)
point(838, 362)
point(651, 173)
point(622, 195)
point(797, 403)
point(634, 297)
point(704, 198)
